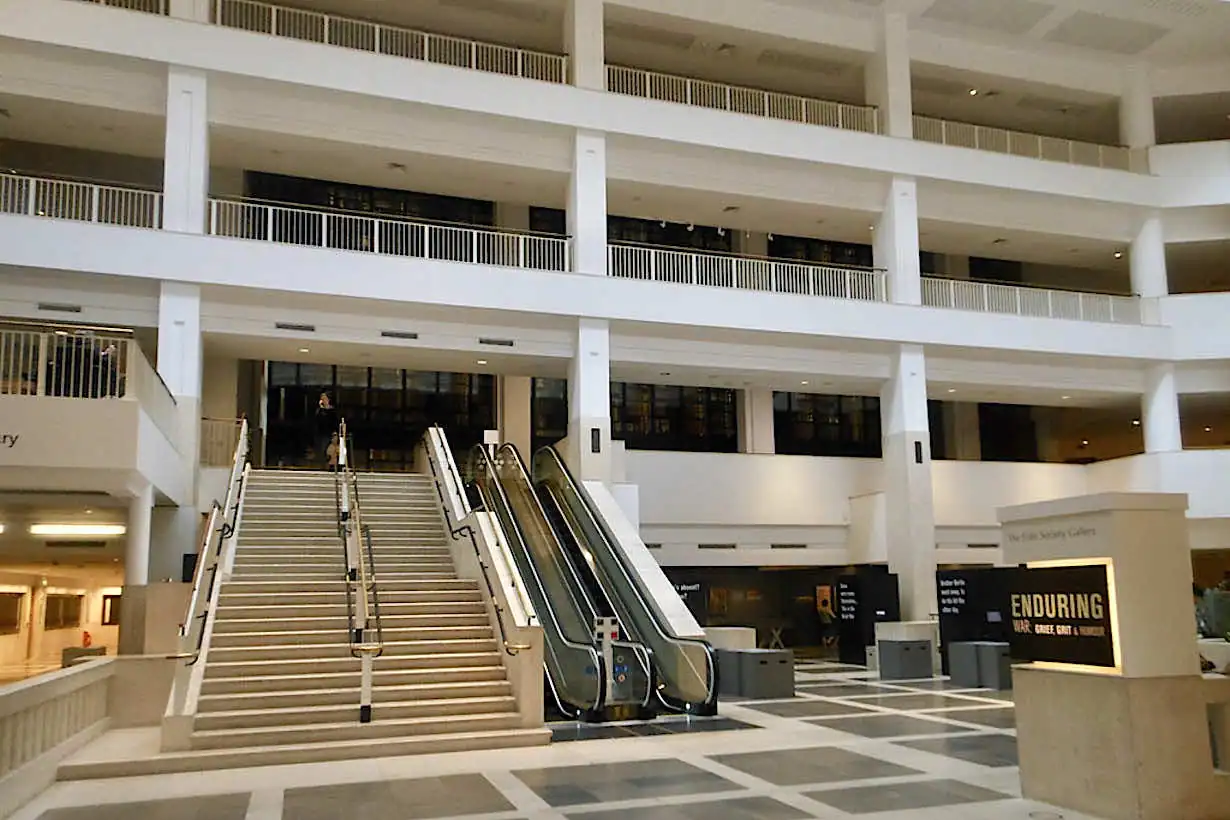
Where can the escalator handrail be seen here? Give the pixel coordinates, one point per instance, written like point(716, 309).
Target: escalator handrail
point(600, 525)
point(479, 453)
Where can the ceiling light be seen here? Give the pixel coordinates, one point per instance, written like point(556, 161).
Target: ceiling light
point(1084, 442)
point(482, 362)
point(803, 383)
point(304, 350)
point(71, 530)
point(1135, 422)
point(1, 528)
point(973, 92)
point(1065, 398)
point(1118, 254)
point(952, 390)
point(61, 332)
point(1208, 429)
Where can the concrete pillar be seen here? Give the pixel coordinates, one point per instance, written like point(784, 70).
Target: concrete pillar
point(1160, 411)
point(136, 551)
point(512, 216)
point(962, 431)
point(751, 243)
point(587, 203)
point(1136, 124)
point(585, 42)
point(515, 394)
point(194, 10)
point(589, 401)
point(1148, 259)
point(888, 85)
point(910, 526)
point(185, 169)
point(756, 424)
point(895, 245)
point(180, 359)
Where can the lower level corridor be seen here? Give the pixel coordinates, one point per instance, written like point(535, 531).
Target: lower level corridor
point(846, 745)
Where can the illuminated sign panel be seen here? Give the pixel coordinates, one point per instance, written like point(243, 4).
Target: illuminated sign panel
point(1062, 614)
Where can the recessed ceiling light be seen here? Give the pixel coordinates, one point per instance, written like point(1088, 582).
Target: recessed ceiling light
point(1208, 429)
point(89, 512)
point(482, 361)
point(1135, 422)
point(973, 92)
point(1065, 398)
point(804, 382)
point(952, 390)
point(304, 350)
point(1118, 254)
point(1084, 442)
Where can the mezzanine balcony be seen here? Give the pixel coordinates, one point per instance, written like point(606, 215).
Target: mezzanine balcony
point(358, 232)
point(1022, 144)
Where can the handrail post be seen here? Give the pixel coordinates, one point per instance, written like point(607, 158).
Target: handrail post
point(268, 223)
point(40, 378)
point(213, 217)
point(95, 197)
point(32, 197)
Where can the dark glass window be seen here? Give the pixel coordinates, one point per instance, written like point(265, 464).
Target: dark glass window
point(548, 220)
point(387, 411)
point(939, 438)
point(111, 610)
point(813, 425)
point(667, 234)
point(1007, 432)
point(10, 612)
point(805, 248)
point(62, 612)
point(995, 270)
point(549, 412)
point(669, 417)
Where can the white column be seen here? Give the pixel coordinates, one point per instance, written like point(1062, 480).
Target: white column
point(756, 427)
point(1160, 411)
point(585, 42)
point(587, 203)
point(910, 528)
point(589, 401)
point(895, 245)
point(179, 339)
point(1148, 259)
point(195, 10)
point(1136, 124)
point(186, 165)
point(515, 400)
point(888, 84)
point(136, 551)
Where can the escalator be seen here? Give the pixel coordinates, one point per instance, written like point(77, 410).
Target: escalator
point(586, 678)
point(684, 668)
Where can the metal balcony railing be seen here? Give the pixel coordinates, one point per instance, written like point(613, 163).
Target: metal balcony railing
point(81, 201)
point(394, 41)
point(720, 270)
point(84, 365)
point(1020, 144)
point(386, 235)
point(756, 102)
point(148, 6)
point(990, 297)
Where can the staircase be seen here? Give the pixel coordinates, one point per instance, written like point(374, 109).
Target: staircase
point(280, 684)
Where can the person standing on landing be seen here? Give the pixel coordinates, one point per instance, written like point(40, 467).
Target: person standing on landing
point(326, 428)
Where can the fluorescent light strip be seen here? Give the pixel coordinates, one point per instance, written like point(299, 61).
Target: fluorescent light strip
point(71, 530)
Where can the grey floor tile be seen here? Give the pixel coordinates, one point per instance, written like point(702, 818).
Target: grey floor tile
point(611, 782)
point(885, 726)
point(904, 796)
point(212, 807)
point(936, 685)
point(912, 702)
point(996, 717)
point(807, 709)
point(985, 750)
point(1008, 696)
point(749, 808)
point(450, 796)
point(841, 690)
point(800, 767)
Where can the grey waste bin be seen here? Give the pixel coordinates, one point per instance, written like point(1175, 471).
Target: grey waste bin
point(994, 665)
point(904, 660)
point(963, 664)
point(728, 672)
point(766, 673)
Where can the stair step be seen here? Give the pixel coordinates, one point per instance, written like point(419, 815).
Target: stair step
point(304, 715)
point(280, 610)
point(347, 694)
point(341, 649)
point(326, 634)
point(392, 624)
point(353, 730)
point(323, 751)
point(409, 584)
point(239, 594)
point(464, 663)
point(467, 680)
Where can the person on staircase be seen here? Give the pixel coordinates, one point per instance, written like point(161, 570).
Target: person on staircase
point(326, 428)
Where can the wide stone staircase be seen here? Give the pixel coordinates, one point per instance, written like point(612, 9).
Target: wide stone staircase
point(280, 682)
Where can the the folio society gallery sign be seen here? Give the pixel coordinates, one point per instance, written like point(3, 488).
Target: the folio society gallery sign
point(1062, 615)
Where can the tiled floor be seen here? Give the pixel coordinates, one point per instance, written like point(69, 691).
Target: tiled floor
point(845, 746)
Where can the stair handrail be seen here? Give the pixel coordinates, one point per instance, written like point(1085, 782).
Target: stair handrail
point(436, 443)
point(216, 560)
point(362, 595)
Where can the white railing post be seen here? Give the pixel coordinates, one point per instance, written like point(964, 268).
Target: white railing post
point(521, 240)
point(521, 63)
point(273, 19)
point(218, 12)
point(952, 293)
point(473, 54)
point(213, 217)
point(1019, 310)
point(325, 28)
point(268, 223)
point(40, 377)
point(376, 235)
point(376, 39)
point(324, 230)
point(1050, 304)
point(157, 210)
point(474, 246)
point(653, 265)
point(95, 197)
point(32, 197)
point(765, 100)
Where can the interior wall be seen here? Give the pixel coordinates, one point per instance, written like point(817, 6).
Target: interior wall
point(220, 388)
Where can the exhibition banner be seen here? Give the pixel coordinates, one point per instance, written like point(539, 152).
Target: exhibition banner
point(1062, 615)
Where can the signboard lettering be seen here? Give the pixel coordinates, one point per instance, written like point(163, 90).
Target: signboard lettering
point(1062, 615)
point(8, 440)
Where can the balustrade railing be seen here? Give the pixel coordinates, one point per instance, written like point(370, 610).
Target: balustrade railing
point(657, 264)
point(756, 102)
point(394, 41)
point(349, 231)
point(1020, 144)
point(80, 201)
point(84, 365)
point(991, 297)
point(147, 6)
